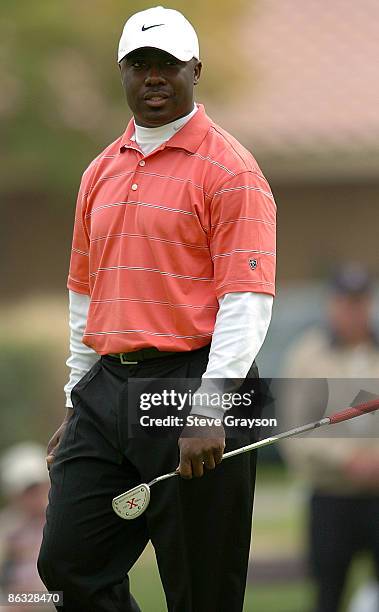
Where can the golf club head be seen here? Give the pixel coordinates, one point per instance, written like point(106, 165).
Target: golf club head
point(133, 503)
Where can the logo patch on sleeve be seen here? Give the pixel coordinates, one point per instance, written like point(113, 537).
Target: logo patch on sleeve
point(253, 263)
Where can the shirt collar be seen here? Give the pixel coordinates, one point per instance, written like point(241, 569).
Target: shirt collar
point(189, 137)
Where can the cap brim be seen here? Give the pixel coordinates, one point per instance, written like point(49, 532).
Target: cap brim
point(180, 55)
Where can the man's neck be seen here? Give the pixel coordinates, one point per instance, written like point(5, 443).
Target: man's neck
point(150, 138)
point(155, 127)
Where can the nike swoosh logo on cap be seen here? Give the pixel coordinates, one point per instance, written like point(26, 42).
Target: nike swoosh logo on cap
point(144, 28)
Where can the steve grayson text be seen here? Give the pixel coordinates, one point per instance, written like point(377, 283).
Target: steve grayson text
point(193, 420)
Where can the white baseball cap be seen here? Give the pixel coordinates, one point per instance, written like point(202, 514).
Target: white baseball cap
point(160, 28)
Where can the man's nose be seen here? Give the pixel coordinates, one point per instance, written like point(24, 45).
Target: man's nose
point(154, 77)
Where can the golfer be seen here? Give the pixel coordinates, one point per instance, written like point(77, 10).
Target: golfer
point(171, 277)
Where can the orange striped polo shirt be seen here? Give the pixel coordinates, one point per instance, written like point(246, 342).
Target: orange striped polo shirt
point(158, 238)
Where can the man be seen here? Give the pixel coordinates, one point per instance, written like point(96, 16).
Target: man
point(340, 465)
point(171, 276)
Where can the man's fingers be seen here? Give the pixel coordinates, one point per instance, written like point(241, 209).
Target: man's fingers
point(217, 454)
point(185, 468)
point(50, 460)
point(53, 443)
point(198, 453)
point(51, 452)
point(209, 462)
point(197, 467)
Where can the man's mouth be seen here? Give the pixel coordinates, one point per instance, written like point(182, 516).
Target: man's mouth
point(156, 99)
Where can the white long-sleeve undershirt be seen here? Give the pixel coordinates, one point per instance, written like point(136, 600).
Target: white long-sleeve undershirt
point(149, 139)
point(241, 327)
point(82, 357)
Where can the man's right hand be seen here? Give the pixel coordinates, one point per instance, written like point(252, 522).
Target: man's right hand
point(54, 441)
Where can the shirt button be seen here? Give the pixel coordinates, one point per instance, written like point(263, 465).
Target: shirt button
point(134, 187)
point(142, 162)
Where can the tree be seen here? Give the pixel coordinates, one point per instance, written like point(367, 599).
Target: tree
point(63, 102)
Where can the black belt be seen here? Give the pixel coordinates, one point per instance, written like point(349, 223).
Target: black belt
point(141, 355)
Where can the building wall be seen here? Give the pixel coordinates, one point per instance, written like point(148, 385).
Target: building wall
point(324, 225)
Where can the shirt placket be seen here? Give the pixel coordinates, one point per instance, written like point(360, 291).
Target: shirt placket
point(141, 163)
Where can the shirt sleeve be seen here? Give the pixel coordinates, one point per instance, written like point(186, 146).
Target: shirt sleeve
point(78, 277)
point(243, 235)
point(241, 326)
point(82, 357)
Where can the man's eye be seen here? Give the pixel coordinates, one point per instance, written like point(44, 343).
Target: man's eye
point(171, 63)
point(137, 64)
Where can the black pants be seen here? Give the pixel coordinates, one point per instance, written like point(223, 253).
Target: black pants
point(339, 528)
point(200, 529)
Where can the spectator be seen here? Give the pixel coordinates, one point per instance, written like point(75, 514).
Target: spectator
point(24, 484)
point(342, 465)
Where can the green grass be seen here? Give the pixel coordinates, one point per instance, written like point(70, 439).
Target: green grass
point(294, 597)
point(146, 585)
point(147, 589)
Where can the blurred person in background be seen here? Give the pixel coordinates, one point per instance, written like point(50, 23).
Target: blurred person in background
point(342, 465)
point(24, 485)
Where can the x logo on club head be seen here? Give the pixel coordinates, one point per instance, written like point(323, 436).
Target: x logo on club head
point(132, 503)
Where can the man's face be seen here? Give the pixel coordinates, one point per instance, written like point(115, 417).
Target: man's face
point(350, 317)
point(158, 86)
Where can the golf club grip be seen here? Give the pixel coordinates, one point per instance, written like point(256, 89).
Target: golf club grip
point(354, 411)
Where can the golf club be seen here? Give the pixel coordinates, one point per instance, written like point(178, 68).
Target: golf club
point(133, 503)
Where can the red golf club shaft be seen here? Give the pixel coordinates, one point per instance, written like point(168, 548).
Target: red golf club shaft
point(354, 411)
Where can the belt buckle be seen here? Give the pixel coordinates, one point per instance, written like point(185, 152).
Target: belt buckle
point(125, 361)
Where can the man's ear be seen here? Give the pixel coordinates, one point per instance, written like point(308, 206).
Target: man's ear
point(197, 72)
point(120, 67)
point(120, 64)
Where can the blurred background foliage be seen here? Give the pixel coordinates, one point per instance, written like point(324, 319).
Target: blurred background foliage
point(63, 100)
point(33, 349)
point(24, 393)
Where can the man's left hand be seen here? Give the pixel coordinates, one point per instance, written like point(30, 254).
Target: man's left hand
point(200, 447)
